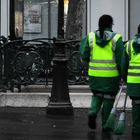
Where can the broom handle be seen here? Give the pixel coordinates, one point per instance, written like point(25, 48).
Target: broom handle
point(125, 101)
point(118, 97)
point(122, 115)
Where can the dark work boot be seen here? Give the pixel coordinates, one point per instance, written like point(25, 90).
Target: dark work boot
point(92, 121)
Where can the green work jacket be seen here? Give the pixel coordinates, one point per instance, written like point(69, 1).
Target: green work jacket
point(103, 56)
point(130, 67)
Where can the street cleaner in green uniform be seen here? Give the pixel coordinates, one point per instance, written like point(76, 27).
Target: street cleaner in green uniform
point(130, 69)
point(102, 50)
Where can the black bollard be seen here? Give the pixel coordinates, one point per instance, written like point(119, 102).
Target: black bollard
point(59, 103)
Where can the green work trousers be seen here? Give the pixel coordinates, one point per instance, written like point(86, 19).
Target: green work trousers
point(136, 118)
point(98, 103)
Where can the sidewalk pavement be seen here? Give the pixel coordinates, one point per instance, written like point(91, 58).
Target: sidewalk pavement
point(18, 123)
point(38, 96)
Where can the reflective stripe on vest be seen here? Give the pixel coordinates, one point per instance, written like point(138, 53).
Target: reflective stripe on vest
point(128, 50)
point(102, 61)
point(90, 40)
point(134, 64)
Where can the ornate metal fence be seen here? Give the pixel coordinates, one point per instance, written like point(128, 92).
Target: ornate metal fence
point(26, 62)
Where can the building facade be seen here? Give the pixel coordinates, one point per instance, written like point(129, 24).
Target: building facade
point(41, 17)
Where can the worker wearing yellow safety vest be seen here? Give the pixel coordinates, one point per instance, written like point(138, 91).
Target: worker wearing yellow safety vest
point(102, 50)
point(130, 69)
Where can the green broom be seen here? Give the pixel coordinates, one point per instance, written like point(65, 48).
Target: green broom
point(120, 128)
point(110, 123)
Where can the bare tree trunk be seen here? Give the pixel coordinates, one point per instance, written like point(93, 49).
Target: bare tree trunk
point(75, 19)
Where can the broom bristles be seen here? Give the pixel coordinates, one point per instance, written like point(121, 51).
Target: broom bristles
point(119, 130)
point(110, 123)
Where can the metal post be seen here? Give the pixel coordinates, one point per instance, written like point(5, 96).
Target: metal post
point(60, 101)
point(1, 64)
point(61, 19)
point(3, 40)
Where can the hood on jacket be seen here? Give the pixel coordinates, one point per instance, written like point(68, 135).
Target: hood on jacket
point(136, 43)
point(107, 36)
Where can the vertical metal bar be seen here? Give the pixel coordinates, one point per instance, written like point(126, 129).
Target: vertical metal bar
point(86, 16)
point(8, 13)
point(126, 20)
point(0, 49)
point(61, 19)
point(12, 19)
point(49, 19)
point(0, 17)
point(129, 19)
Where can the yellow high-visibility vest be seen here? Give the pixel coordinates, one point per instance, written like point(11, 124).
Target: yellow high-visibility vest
point(134, 64)
point(102, 59)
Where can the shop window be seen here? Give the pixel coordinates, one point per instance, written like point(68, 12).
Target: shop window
point(30, 19)
point(40, 18)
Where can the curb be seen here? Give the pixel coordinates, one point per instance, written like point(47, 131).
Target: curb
point(78, 100)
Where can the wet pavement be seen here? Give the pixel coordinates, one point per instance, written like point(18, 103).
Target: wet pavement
point(34, 124)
